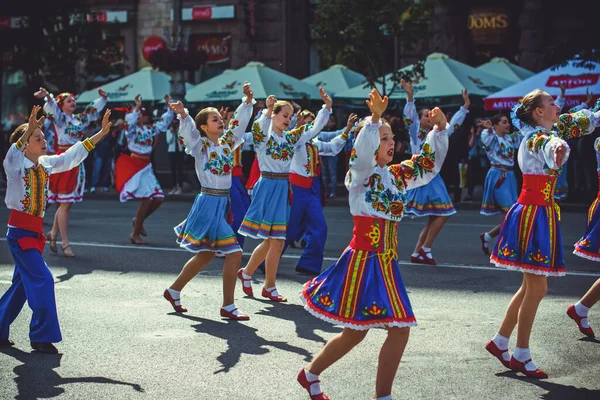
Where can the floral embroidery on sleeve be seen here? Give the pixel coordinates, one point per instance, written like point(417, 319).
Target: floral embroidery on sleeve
point(384, 200)
point(573, 125)
point(537, 141)
point(419, 164)
point(294, 135)
point(257, 134)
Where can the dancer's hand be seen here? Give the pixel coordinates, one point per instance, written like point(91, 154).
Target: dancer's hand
point(106, 125)
point(560, 152)
point(138, 102)
point(40, 94)
point(270, 102)
point(34, 123)
point(485, 123)
point(248, 92)
point(437, 117)
point(102, 94)
point(377, 105)
point(465, 96)
point(326, 99)
point(588, 98)
point(178, 108)
point(563, 89)
point(352, 118)
point(408, 88)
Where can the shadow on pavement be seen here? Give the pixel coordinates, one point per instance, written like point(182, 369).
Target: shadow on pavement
point(305, 323)
point(241, 339)
point(36, 377)
point(555, 391)
point(589, 339)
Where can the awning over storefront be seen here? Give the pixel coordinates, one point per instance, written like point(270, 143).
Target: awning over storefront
point(504, 69)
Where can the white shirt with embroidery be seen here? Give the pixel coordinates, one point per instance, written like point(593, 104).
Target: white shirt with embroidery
point(27, 186)
point(501, 150)
point(214, 162)
point(380, 192)
point(275, 152)
point(536, 153)
point(417, 134)
point(306, 156)
point(139, 139)
point(69, 129)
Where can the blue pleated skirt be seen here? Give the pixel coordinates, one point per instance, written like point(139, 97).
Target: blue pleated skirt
point(589, 245)
point(499, 192)
point(431, 199)
point(206, 227)
point(269, 211)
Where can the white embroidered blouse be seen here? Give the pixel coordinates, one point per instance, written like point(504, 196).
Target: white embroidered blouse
point(275, 152)
point(380, 192)
point(501, 150)
point(418, 134)
point(306, 157)
point(69, 129)
point(536, 152)
point(27, 186)
point(139, 140)
point(214, 162)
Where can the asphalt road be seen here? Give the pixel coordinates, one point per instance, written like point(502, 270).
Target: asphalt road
point(121, 340)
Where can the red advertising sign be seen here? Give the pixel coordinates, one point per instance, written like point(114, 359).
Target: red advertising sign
point(573, 81)
point(508, 103)
point(97, 17)
point(216, 48)
point(4, 22)
point(151, 44)
point(202, 13)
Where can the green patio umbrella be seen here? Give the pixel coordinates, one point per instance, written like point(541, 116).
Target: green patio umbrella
point(442, 83)
point(336, 79)
point(265, 81)
point(151, 84)
point(502, 68)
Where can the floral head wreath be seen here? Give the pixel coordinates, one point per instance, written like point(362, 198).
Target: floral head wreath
point(60, 99)
point(517, 123)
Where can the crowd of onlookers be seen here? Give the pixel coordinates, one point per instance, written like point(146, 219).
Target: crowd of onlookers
point(463, 172)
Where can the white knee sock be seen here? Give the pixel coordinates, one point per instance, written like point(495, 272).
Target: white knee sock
point(582, 311)
point(524, 354)
point(315, 388)
point(176, 295)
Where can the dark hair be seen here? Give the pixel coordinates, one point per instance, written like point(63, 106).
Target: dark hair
point(280, 104)
point(497, 118)
point(530, 102)
point(14, 137)
point(422, 111)
point(202, 118)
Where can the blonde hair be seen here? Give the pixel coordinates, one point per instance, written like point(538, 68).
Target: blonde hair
point(530, 102)
point(279, 106)
point(307, 113)
point(202, 118)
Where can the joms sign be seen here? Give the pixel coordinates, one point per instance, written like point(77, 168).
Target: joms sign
point(488, 26)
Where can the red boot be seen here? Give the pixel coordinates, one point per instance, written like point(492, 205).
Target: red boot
point(520, 367)
point(575, 317)
point(302, 380)
point(247, 290)
point(177, 308)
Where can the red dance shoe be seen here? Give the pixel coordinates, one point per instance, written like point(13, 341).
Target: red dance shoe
point(247, 290)
point(496, 352)
point(416, 260)
point(520, 367)
point(231, 315)
point(484, 247)
point(575, 317)
point(302, 380)
point(177, 308)
point(269, 295)
point(425, 259)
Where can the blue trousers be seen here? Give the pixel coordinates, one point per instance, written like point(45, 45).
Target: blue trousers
point(240, 201)
point(307, 209)
point(32, 281)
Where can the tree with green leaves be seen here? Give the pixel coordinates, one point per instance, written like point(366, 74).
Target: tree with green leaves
point(363, 35)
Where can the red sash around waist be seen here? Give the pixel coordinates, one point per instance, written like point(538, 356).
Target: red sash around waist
point(301, 181)
point(538, 190)
point(374, 234)
point(31, 223)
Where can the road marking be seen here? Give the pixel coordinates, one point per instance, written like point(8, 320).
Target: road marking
point(296, 257)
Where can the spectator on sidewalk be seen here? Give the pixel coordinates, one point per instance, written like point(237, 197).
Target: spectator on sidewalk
point(330, 164)
point(478, 164)
point(103, 161)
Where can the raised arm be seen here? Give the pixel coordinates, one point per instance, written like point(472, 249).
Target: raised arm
point(50, 107)
point(337, 144)
point(411, 117)
point(305, 133)
point(188, 134)
point(488, 135)
point(362, 158)
point(459, 117)
point(234, 136)
point(15, 156)
point(424, 166)
point(577, 124)
point(92, 111)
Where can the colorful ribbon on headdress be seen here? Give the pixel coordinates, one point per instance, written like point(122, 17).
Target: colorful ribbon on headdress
point(60, 99)
point(517, 123)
